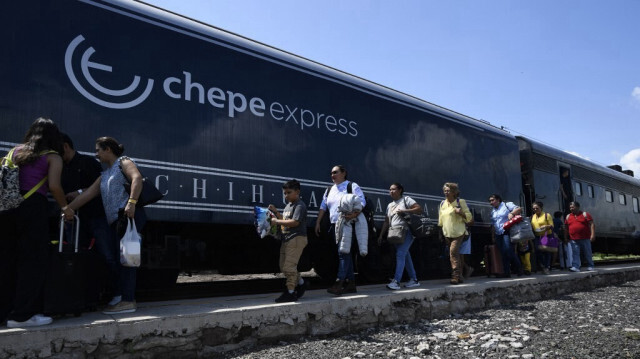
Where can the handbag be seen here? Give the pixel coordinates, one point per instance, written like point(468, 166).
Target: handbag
point(149, 193)
point(418, 223)
point(549, 243)
point(521, 231)
point(516, 219)
point(396, 234)
point(130, 246)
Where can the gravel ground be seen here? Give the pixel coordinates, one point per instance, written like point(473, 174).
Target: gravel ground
point(604, 323)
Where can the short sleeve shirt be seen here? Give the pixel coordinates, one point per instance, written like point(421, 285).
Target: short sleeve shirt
point(579, 225)
point(539, 221)
point(331, 200)
point(400, 204)
point(500, 215)
point(296, 210)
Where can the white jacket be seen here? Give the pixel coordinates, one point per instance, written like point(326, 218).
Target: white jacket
point(349, 202)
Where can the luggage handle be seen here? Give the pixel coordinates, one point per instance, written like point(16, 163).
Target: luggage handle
point(76, 224)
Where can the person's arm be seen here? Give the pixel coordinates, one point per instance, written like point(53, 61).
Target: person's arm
point(414, 208)
point(514, 212)
point(593, 231)
point(465, 212)
point(91, 171)
point(53, 176)
point(135, 178)
point(318, 221)
point(90, 193)
point(383, 231)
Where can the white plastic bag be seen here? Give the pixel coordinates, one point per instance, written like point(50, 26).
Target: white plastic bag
point(130, 246)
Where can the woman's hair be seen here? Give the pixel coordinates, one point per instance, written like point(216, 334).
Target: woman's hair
point(539, 204)
point(398, 186)
point(42, 135)
point(453, 187)
point(342, 169)
point(112, 143)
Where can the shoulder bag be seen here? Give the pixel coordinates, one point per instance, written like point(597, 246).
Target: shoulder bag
point(418, 223)
point(549, 243)
point(149, 193)
point(521, 231)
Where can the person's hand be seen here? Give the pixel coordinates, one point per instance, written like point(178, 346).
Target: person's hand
point(380, 241)
point(592, 239)
point(317, 229)
point(273, 208)
point(510, 215)
point(130, 210)
point(68, 213)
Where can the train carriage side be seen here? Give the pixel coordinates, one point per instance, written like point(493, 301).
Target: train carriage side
point(219, 122)
point(610, 196)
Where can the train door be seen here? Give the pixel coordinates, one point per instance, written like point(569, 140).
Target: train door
point(565, 190)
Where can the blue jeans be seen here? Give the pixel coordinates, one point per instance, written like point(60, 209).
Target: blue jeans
point(508, 252)
point(543, 258)
point(123, 279)
point(581, 246)
point(345, 260)
point(403, 257)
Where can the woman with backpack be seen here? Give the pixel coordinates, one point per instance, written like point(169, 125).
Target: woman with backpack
point(454, 215)
point(346, 281)
point(25, 255)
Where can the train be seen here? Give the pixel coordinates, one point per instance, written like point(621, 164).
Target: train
point(218, 122)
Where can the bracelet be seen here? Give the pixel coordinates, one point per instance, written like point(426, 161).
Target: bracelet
point(133, 201)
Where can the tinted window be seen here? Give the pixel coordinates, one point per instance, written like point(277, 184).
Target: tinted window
point(590, 191)
point(578, 189)
point(622, 199)
point(608, 196)
point(636, 206)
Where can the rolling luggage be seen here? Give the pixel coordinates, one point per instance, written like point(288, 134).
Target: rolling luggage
point(64, 289)
point(492, 260)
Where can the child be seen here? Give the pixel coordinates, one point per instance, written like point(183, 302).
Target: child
point(293, 222)
point(524, 250)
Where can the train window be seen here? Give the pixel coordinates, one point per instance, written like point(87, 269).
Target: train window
point(636, 206)
point(622, 199)
point(590, 191)
point(608, 195)
point(578, 186)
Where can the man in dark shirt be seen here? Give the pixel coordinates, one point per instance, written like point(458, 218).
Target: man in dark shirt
point(79, 172)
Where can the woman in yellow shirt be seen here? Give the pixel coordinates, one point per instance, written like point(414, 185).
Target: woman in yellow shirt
point(542, 223)
point(453, 217)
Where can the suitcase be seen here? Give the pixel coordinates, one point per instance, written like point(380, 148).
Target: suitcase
point(64, 289)
point(492, 260)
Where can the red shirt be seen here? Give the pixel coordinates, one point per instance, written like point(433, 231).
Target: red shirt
point(579, 225)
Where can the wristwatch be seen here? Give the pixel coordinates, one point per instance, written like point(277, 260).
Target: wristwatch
point(80, 191)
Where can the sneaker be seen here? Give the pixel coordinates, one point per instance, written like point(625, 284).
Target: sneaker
point(301, 288)
point(35, 321)
point(120, 308)
point(589, 269)
point(412, 283)
point(455, 281)
point(115, 300)
point(545, 271)
point(393, 285)
point(574, 269)
point(286, 297)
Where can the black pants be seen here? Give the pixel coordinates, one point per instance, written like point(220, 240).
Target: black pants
point(24, 258)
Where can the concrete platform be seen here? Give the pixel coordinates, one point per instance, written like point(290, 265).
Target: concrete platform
point(204, 327)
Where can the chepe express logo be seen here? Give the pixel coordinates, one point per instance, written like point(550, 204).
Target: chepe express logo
point(116, 99)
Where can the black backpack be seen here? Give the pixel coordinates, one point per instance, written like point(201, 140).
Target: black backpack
point(368, 207)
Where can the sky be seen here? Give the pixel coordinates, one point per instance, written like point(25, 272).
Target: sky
point(565, 72)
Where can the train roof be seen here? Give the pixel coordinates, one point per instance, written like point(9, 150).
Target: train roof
point(191, 27)
point(572, 159)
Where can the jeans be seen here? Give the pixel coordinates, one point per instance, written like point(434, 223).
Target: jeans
point(403, 258)
point(123, 279)
point(508, 252)
point(581, 246)
point(345, 261)
point(543, 258)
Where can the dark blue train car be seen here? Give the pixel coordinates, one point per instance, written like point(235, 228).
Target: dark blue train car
point(220, 122)
point(610, 195)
